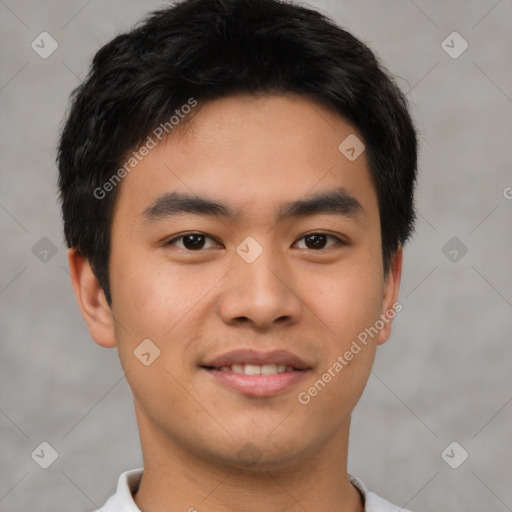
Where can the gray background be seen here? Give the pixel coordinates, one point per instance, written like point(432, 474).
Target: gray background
point(444, 375)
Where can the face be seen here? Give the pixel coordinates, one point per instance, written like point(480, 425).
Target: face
point(247, 250)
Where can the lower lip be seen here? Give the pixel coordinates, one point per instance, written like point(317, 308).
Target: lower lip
point(258, 385)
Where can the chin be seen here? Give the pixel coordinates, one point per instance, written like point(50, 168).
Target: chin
point(262, 453)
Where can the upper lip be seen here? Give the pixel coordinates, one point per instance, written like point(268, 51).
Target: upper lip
point(277, 357)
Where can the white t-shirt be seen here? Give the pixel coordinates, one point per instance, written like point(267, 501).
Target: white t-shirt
point(128, 483)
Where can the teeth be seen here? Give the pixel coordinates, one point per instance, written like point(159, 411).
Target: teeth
point(238, 368)
point(254, 369)
point(269, 369)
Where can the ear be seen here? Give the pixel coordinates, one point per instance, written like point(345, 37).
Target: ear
point(91, 300)
point(390, 304)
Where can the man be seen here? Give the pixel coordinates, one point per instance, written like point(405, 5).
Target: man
point(237, 183)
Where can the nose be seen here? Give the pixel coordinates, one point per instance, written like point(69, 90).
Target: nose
point(260, 294)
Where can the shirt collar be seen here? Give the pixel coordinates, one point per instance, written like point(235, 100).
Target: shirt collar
point(129, 481)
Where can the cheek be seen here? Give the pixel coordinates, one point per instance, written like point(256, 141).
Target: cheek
point(166, 305)
point(347, 302)
point(153, 297)
point(346, 306)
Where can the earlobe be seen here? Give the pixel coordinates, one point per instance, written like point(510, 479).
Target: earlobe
point(390, 304)
point(91, 300)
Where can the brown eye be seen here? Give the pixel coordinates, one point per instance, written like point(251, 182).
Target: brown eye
point(192, 241)
point(319, 241)
point(316, 241)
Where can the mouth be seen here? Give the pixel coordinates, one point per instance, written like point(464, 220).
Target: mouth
point(255, 369)
point(257, 373)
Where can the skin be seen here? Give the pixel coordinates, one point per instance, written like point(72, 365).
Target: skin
point(253, 154)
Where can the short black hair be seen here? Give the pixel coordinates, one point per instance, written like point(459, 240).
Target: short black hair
point(201, 50)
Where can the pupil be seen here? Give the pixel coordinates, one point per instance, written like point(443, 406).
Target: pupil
point(317, 241)
point(193, 241)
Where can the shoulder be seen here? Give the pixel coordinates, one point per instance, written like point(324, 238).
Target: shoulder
point(372, 502)
point(122, 500)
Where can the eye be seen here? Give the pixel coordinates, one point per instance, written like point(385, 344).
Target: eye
point(318, 241)
point(192, 241)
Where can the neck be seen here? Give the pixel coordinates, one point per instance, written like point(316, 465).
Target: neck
point(177, 479)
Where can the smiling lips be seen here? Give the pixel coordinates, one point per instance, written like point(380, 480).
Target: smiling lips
point(255, 369)
point(257, 373)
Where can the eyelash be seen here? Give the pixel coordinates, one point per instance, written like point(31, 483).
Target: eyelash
point(339, 241)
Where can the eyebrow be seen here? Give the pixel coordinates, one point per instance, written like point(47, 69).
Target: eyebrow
point(336, 202)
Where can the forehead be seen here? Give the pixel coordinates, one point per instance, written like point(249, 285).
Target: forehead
point(252, 153)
